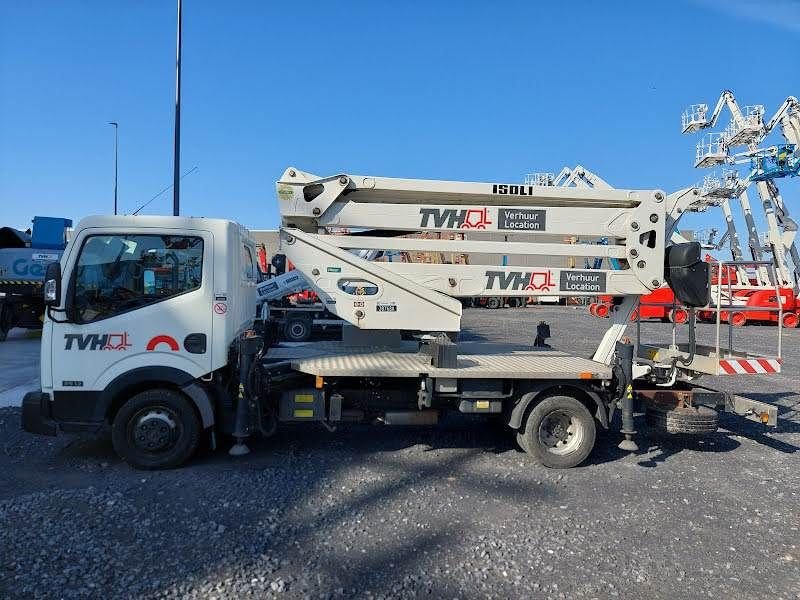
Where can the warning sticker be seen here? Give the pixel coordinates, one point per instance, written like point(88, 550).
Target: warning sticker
point(220, 308)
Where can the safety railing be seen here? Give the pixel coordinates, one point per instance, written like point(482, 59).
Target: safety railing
point(543, 179)
point(694, 117)
point(726, 359)
point(714, 186)
point(711, 150)
point(730, 308)
point(748, 128)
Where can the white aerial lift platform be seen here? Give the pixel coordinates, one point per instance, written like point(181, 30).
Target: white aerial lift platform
point(159, 329)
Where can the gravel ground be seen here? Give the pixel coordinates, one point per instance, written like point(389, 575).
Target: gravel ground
point(448, 512)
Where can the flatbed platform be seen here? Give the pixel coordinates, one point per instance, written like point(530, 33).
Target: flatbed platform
point(476, 360)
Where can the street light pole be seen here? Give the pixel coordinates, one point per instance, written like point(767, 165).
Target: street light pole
point(116, 160)
point(176, 176)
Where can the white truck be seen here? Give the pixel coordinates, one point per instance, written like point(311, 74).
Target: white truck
point(156, 330)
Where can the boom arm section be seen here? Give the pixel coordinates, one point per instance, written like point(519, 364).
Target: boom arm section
point(378, 211)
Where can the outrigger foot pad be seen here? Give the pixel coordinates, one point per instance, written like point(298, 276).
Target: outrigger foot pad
point(239, 449)
point(628, 445)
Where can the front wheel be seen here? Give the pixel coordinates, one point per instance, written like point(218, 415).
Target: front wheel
point(156, 429)
point(559, 432)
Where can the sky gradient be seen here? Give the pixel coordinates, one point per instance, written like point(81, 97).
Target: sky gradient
point(480, 92)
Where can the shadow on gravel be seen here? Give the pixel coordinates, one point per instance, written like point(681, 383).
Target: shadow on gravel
point(395, 554)
point(470, 335)
point(668, 445)
point(367, 501)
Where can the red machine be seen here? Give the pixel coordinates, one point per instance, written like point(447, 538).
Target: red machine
point(658, 304)
point(750, 299)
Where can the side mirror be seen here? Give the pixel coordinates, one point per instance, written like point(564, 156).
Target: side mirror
point(687, 274)
point(52, 284)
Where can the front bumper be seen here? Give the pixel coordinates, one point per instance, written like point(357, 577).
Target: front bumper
point(36, 416)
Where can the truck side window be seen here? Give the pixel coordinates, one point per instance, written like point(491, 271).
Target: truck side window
point(119, 273)
point(248, 265)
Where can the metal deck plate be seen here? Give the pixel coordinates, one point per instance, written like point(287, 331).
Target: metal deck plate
point(475, 361)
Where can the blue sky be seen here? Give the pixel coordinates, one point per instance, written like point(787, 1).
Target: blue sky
point(478, 91)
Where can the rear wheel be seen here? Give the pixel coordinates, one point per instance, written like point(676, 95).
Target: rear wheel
point(298, 328)
point(156, 429)
point(494, 302)
point(559, 432)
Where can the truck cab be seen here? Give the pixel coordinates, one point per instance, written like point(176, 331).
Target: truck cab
point(142, 312)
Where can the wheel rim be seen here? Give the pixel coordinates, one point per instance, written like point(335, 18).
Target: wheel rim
point(560, 432)
point(155, 430)
point(790, 321)
point(297, 330)
point(737, 319)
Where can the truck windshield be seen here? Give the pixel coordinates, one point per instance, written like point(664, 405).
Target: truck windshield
point(119, 273)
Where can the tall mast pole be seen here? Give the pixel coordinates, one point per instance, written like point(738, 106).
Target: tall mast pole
point(176, 176)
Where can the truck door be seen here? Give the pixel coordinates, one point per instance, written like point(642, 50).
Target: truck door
point(135, 300)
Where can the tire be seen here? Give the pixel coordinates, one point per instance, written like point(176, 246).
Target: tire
point(738, 319)
point(156, 429)
point(697, 419)
point(678, 316)
point(791, 320)
point(494, 302)
point(520, 437)
point(297, 328)
point(559, 432)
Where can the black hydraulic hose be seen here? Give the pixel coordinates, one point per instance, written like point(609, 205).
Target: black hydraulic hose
point(692, 342)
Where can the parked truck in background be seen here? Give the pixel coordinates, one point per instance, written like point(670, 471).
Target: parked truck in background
point(24, 256)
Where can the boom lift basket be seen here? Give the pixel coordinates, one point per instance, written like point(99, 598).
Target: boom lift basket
point(747, 129)
point(697, 359)
point(711, 150)
point(723, 187)
point(694, 118)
